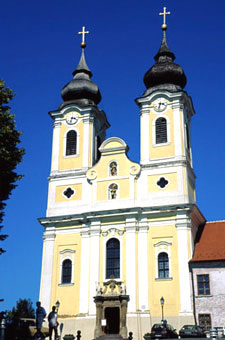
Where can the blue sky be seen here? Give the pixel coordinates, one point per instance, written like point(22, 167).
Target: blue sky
point(40, 48)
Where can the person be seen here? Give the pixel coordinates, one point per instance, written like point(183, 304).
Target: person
point(40, 315)
point(53, 323)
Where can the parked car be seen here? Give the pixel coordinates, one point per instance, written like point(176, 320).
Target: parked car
point(191, 331)
point(163, 330)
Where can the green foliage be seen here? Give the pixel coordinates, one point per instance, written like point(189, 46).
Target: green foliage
point(24, 309)
point(10, 154)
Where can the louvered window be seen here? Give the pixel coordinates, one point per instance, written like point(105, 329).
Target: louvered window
point(161, 130)
point(71, 143)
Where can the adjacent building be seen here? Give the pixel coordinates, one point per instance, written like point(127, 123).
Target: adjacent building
point(208, 273)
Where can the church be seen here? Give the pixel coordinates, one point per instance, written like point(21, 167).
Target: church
point(119, 235)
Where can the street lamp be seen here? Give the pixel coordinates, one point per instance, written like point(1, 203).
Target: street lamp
point(162, 304)
point(57, 305)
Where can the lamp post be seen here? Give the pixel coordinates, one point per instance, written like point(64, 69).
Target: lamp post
point(162, 304)
point(57, 304)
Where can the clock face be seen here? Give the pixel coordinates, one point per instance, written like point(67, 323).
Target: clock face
point(160, 105)
point(71, 118)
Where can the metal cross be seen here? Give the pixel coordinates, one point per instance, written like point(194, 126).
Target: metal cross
point(83, 34)
point(164, 15)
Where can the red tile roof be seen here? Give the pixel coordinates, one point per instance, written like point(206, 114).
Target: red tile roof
point(211, 245)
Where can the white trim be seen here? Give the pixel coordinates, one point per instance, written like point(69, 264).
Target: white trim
point(106, 238)
point(85, 263)
point(55, 145)
point(77, 143)
point(145, 138)
point(143, 265)
point(160, 247)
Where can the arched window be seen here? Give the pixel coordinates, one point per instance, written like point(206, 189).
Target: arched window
point(66, 271)
point(113, 169)
point(113, 191)
point(163, 266)
point(161, 130)
point(113, 258)
point(71, 143)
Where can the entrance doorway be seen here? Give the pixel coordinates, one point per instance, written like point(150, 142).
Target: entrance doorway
point(112, 316)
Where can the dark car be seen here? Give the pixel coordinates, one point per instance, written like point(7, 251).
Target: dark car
point(163, 330)
point(191, 331)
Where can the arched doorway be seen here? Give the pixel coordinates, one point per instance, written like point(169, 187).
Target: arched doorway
point(112, 316)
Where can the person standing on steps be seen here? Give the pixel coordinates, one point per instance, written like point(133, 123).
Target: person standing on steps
point(53, 323)
point(40, 315)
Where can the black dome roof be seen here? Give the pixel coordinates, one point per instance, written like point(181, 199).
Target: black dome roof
point(81, 89)
point(165, 72)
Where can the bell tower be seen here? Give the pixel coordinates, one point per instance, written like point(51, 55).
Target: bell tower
point(78, 130)
point(166, 111)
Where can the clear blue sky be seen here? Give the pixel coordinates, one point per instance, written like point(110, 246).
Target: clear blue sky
point(39, 50)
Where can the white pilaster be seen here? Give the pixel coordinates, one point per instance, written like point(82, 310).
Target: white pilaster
point(143, 265)
point(55, 145)
point(131, 262)
point(178, 133)
point(85, 264)
point(87, 143)
point(47, 268)
point(94, 263)
point(145, 140)
point(185, 293)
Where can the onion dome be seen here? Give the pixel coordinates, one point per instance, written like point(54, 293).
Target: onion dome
point(81, 90)
point(165, 74)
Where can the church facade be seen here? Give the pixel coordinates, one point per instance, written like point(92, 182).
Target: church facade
point(118, 235)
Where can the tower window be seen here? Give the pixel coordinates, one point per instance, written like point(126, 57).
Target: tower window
point(113, 191)
point(113, 169)
point(163, 266)
point(68, 192)
point(66, 271)
point(113, 258)
point(161, 130)
point(71, 143)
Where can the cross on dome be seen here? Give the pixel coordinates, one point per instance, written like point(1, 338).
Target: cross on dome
point(83, 32)
point(165, 13)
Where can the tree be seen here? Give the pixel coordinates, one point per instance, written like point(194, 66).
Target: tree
point(10, 154)
point(24, 309)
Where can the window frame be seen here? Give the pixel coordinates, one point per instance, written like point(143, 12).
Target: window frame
point(154, 131)
point(77, 143)
point(204, 315)
point(67, 254)
point(163, 247)
point(165, 271)
point(204, 283)
point(114, 267)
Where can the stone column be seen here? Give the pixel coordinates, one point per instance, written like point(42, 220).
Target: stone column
point(99, 309)
point(123, 317)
